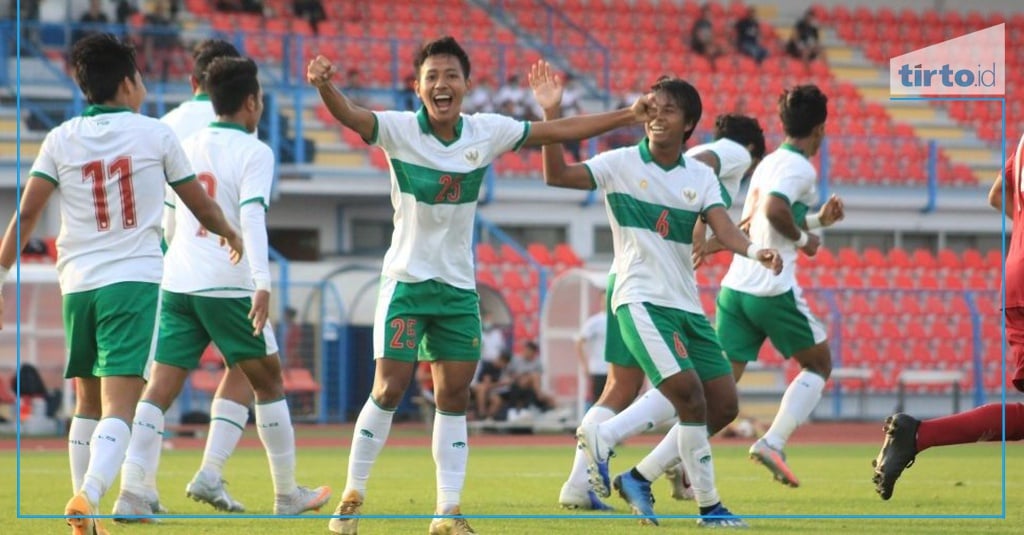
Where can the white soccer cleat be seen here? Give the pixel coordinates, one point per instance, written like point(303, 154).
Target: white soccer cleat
point(350, 506)
point(301, 500)
point(207, 489)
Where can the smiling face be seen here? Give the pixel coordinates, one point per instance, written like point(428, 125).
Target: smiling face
point(669, 124)
point(441, 86)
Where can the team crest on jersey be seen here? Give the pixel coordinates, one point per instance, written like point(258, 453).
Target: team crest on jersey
point(471, 155)
point(690, 195)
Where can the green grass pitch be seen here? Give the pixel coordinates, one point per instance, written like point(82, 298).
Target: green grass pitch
point(525, 480)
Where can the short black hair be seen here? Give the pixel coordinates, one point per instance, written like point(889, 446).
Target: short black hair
point(230, 81)
point(445, 45)
point(802, 109)
point(205, 52)
point(743, 130)
point(685, 96)
point(100, 63)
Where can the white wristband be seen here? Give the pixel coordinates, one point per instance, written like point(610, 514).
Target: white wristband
point(803, 239)
point(752, 251)
point(263, 285)
point(813, 222)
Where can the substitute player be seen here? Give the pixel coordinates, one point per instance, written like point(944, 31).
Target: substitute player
point(906, 436)
point(654, 195)
point(753, 305)
point(109, 167)
point(228, 305)
point(428, 307)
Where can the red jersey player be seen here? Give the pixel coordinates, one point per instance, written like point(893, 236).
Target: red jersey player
point(906, 436)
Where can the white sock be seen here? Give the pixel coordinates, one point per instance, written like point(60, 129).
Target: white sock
point(662, 457)
point(450, 446)
point(106, 453)
point(274, 425)
point(578, 476)
point(695, 452)
point(227, 422)
point(798, 403)
point(645, 413)
point(79, 437)
point(143, 455)
point(368, 438)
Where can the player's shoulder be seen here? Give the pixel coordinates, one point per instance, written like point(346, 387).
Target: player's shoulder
point(698, 169)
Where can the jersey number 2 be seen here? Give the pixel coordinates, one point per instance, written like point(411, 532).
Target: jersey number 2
point(97, 173)
point(209, 183)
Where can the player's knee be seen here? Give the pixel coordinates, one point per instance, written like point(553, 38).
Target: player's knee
point(817, 360)
point(388, 394)
point(721, 414)
point(452, 399)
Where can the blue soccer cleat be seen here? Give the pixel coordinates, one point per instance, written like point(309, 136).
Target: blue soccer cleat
point(720, 517)
point(637, 494)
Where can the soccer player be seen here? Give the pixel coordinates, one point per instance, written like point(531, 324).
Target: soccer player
point(428, 307)
point(654, 195)
point(229, 410)
point(109, 167)
point(753, 305)
point(738, 146)
point(205, 301)
point(906, 436)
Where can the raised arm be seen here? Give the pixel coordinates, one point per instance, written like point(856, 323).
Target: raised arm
point(780, 216)
point(547, 89)
point(362, 121)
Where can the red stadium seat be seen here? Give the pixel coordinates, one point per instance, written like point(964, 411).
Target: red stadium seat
point(948, 259)
point(486, 278)
point(485, 254)
point(539, 252)
point(510, 255)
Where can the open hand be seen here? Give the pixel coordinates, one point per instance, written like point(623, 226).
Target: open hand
point(319, 71)
point(546, 85)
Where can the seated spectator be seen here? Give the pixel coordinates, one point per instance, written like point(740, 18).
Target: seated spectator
point(312, 11)
point(407, 98)
point(748, 36)
point(492, 345)
point(92, 21)
point(702, 36)
point(520, 386)
point(125, 9)
point(805, 43)
point(161, 44)
point(354, 88)
point(480, 98)
point(511, 98)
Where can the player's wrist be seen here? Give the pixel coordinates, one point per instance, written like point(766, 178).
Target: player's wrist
point(814, 222)
point(802, 240)
point(752, 251)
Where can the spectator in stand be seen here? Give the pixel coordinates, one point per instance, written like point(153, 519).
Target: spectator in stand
point(510, 98)
point(407, 99)
point(702, 36)
point(92, 21)
point(161, 42)
point(805, 43)
point(748, 36)
point(524, 376)
point(354, 87)
point(492, 345)
point(240, 6)
point(125, 9)
point(312, 11)
point(590, 350)
point(481, 97)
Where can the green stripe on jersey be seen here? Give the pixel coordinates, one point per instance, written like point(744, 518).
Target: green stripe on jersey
point(726, 198)
point(431, 186)
point(799, 213)
point(673, 224)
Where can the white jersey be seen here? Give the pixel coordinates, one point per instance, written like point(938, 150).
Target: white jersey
point(593, 336)
point(190, 116)
point(733, 161)
point(652, 211)
point(434, 190)
point(110, 167)
point(789, 175)
point(236, 169)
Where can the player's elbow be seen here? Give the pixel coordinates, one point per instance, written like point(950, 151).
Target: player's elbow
point(995, 198)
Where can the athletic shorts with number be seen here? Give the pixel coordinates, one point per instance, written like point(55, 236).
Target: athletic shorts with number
point(665, 341)
point(1015, 341)
point(615, 350)
point(743, 321)
point(188, 323)
point(427, 320)
point(112, 330)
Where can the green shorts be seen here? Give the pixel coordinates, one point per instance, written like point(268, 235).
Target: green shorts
point(615, 350)
point(665, 341)
point(188, 323)
point(430, 320)
point(111, 331)
point(745, 321)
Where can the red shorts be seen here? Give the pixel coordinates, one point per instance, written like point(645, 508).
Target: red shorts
point(1015, 341)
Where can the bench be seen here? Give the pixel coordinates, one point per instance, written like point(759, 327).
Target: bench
point(929, 377)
